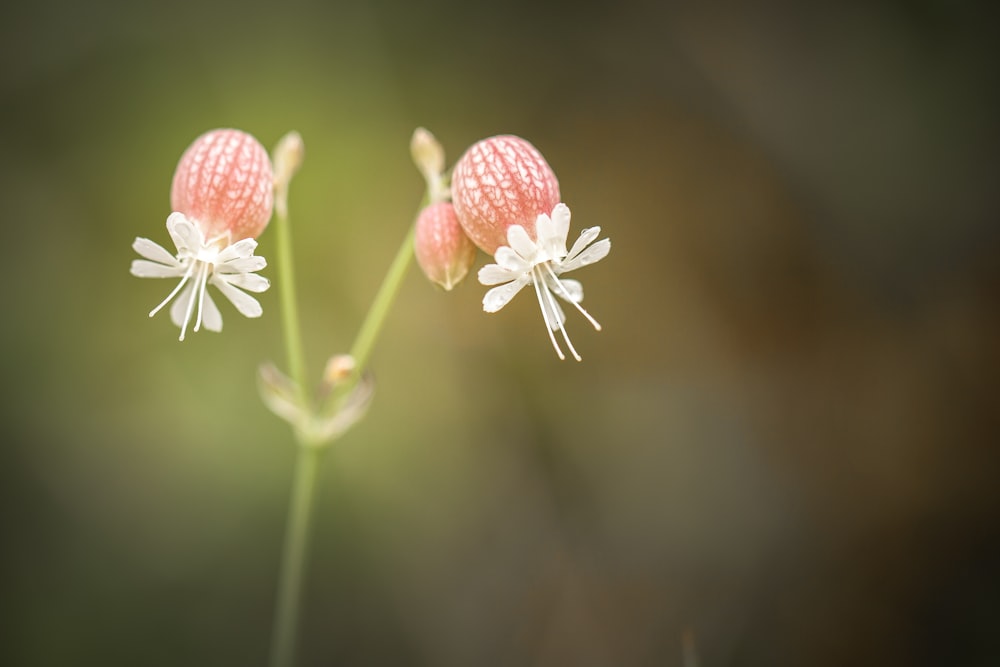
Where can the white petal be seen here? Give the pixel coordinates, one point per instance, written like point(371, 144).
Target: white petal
point(586, 237)
point(211, 318)
point(185, 233)
point(545, 229)
point(178, 310)
point(246, 304)
point(498, 297)
point(142, 268)
point(560, 220)
point(594, 253)
point(153, 251)
point(508, 259)
point(521, 243)
point(243, 265)
point(550, 245)
point(239, 250)
point(569, 290)
point(248, 281)
point(493, 274)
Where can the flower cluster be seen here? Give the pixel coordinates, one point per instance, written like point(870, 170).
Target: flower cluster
point(506, 198)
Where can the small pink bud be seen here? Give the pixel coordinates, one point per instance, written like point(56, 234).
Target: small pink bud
point(443, 250)
point(499, 182)
point(224, 182)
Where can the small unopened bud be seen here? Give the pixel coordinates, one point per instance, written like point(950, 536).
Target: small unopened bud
point(224, 184)
point(428, 155)
point(288, 155)
point(338, 368)
point(443, 250)
point(500, 182)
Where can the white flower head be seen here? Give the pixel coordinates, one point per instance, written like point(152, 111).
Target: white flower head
point(198, 263)
point(541, 262)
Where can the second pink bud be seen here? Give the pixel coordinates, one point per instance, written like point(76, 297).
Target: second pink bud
point(444, 252)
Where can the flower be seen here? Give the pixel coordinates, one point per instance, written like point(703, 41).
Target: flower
point(499, 182)
point(444, 252)
point(199, 262)
point(222, 198)
point(541, 262)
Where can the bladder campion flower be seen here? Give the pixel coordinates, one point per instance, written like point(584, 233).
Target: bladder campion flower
point(444, 252)
point(506, 197)
point(222, 197)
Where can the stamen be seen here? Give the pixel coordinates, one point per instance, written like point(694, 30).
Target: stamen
point(563, 292)
point(545, 313)
point(562, 325)
point(173, 293)
point(190, 306)
point(200, 287)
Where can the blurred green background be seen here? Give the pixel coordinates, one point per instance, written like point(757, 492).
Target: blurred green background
point(781, 447)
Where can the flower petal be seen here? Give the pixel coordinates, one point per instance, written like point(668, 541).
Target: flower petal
point(186, 235)
point(248, 281)
point(494, 274)
point(594, 253)
point(586, 237)
point(545, 229)
point(153, 251)
point(242, 265)
point(560, 222)
point(246, 304)
point(142, 268)
point(521, 243)
point(508, 259)
point(239, 250)
point(568, 290)
point(498, 297)
point(178, 311)
point(211, 318)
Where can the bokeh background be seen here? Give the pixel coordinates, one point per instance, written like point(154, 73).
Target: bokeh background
point(779, 451)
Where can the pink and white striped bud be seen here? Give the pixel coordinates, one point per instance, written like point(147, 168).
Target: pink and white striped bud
point(500, 182)
point(225, 184)
point(443, 250)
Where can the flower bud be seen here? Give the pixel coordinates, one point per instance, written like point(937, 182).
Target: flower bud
point(500, 182)
point(288, 156)
point(427, 152)
point(224, 183)
point(428, 155)
point(443, 250)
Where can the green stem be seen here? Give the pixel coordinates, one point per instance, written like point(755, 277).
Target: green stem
point(293, 560)
point(365, 340)
point(289, 306)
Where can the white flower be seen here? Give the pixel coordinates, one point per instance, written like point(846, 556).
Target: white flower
point(199, 262)
point(541, 263)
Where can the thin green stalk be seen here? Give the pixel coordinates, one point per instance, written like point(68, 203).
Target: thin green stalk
point(293, 561)
point(289, 305)
point(365, 340)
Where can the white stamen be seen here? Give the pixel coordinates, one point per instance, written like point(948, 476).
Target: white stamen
point(173, 293)
point(545, 313)
point(566, 295)
point(200, 286)
point(554, 307)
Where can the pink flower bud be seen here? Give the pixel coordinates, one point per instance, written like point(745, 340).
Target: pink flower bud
point(443, 250)
point(500, 182)
point(225, 184)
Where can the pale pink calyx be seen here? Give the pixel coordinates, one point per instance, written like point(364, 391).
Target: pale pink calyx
point(500, 182)
point(224, 183)
point(444, 252)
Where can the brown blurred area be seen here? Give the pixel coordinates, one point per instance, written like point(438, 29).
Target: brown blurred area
point(779, 451)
